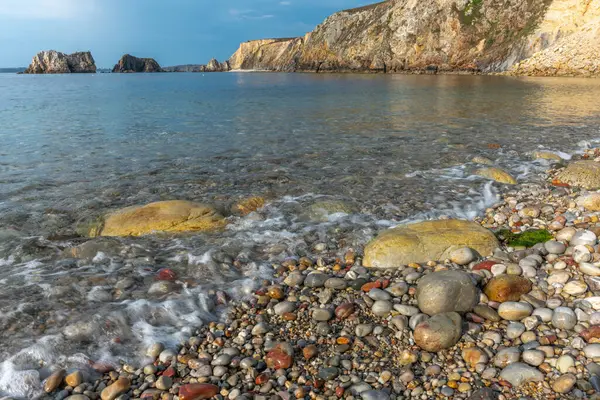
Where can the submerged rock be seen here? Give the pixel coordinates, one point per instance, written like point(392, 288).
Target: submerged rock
point(129, 63)
point(164, 216)
point(55, 62)
point(321, 210)
point(426, 241)
point(497, 174)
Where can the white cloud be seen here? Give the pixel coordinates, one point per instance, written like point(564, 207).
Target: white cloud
point(248, 14)
point(46, 9)
point(285, 3)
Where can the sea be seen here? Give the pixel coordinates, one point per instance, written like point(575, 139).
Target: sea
point(337, 158)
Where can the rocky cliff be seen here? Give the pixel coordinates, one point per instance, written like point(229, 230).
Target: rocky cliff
point(129, 63)
point(212, 66)
point(54, 62)
point(437, 35)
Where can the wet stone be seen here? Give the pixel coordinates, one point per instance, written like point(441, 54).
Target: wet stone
point(316, 280)
point(197, 391)
point(54, 380)
point(113, 391)
point(328, 373)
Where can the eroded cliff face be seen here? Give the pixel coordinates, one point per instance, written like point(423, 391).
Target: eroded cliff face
point(55, 62)
point(416, 35)
point(129, 63)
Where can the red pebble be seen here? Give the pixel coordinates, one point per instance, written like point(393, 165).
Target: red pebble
point(166, 274)
point(593, 332)
point(261, 379)
point(197, 391)
point(278, 358)
point(485, 265)
point(371, 285)
point(339, 391)
point(170, 372)
point(102, 367)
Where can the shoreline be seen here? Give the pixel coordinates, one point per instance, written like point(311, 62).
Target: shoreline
point(346, 331)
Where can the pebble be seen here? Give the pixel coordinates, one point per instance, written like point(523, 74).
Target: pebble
point(284, 307)
point(534, 357)
point(592, 350)
point(564, 318)
point(462, 256)
point(381, 308)
point(575, 288)
point(316, 280)
point(554, 247)
point(54, 380)
point(439, 332)
point(113, 391)
point(518, 374)
point(564, 384)
point(322, 314)
point(514, 311)
point(164, 383)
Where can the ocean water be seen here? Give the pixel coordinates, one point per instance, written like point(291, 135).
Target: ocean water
point(377, 150)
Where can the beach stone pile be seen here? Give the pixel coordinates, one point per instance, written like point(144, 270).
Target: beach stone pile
point(439, 310)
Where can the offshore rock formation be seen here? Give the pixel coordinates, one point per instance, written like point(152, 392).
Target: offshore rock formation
point(129, 63)
point(212, 66)
point(54, 62)
point(441, 36)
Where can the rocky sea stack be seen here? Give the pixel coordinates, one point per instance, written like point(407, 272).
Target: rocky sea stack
point(555, 37)
point(55, 62)
point(129, 63)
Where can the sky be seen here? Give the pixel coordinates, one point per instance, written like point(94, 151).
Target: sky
point(173, 32)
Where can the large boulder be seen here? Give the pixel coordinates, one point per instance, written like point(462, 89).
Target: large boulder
point(446, 291)
point(425, 241)
point(55, 62)
point(129, 63)
point(585, 174)
point(497, 175)
point(164, 216)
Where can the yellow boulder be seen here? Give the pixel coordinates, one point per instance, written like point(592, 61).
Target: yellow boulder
point(497, 174)
point(585, 174)
point(590, 201)
point(546, 155)
point(427, 241)
point(163, 216)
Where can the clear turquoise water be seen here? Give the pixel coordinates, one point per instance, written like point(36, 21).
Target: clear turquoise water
point(394, 148)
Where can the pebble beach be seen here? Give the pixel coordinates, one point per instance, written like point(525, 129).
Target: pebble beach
point(522, 322)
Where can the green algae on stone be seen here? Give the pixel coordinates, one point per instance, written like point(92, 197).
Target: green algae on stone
point(525, 239)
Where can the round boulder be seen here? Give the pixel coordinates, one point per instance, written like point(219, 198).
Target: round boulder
point(446, 291)
point(164, 216)
point(585, 174)
point(439, 332)
point(426, 241)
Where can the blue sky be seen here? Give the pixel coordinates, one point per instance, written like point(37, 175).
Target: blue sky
point(172, 31)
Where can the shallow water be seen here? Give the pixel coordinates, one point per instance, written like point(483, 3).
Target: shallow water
point(391, 148)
